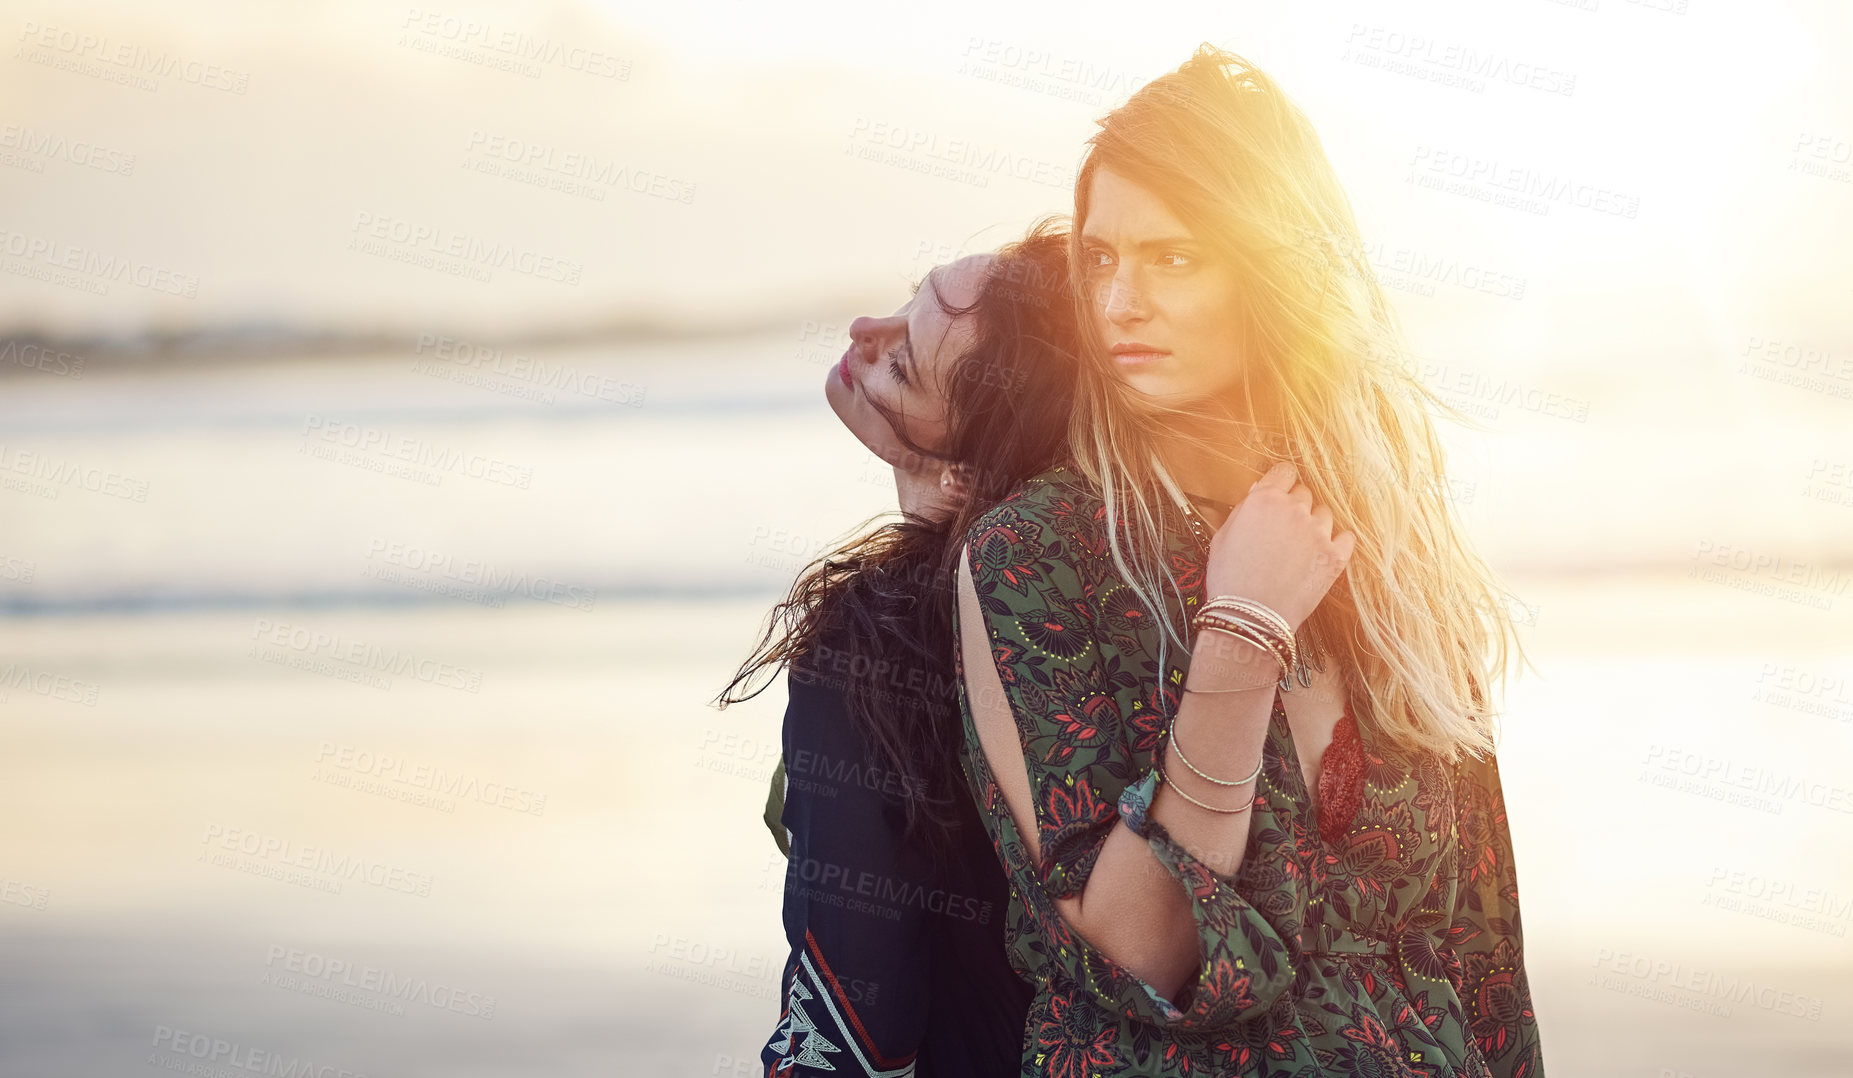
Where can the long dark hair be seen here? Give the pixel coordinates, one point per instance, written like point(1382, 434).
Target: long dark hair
point(885, 599)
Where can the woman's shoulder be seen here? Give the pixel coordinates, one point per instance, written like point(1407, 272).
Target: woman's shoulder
point(1057, 502)
point(829, 760)
point(1045, 543)
point(817, 680)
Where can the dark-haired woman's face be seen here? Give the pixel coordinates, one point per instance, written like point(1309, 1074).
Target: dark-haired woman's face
point(899, 364)
point(1163, 304)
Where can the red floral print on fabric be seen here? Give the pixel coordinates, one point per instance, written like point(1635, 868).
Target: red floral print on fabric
point(1398, 847)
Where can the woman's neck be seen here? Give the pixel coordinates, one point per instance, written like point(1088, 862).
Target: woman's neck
point(1224, 477)
point(920, 494)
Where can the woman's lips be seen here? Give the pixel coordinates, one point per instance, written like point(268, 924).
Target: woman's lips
point(842, 371)
point(1136, 353)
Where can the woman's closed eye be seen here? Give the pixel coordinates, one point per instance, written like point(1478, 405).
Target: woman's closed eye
point(894, 364)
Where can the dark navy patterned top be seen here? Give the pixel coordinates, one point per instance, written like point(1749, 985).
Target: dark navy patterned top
point(897, 964)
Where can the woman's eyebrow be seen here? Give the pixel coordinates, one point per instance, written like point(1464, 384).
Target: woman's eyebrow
point(1145, 245)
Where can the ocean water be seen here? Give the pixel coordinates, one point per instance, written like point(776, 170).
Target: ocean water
point(359, 714)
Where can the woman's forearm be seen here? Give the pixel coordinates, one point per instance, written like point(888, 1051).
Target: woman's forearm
point(1224, 734)
point(1132, 908)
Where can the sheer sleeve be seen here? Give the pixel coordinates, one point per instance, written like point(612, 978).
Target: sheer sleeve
point(856, 984)
point(1084, 715)
point(1485, 934)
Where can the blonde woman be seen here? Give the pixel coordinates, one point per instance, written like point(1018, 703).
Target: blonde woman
point(1215, 872)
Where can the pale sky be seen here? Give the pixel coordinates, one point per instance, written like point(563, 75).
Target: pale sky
point(764, 164)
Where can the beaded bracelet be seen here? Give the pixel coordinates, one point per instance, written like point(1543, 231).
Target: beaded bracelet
point(1283, 653)
point(1237, 605)
point(1283, 641)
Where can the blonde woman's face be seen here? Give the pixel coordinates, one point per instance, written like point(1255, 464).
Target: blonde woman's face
point(1163, 304)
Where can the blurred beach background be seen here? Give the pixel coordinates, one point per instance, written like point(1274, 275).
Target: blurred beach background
point(408, 414)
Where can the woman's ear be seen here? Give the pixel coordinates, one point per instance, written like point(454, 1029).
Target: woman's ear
point(955, 482)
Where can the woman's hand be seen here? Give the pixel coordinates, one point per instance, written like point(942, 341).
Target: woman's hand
point(1278, 548)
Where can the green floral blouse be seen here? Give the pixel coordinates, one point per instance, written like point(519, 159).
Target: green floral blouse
point(1379, 939)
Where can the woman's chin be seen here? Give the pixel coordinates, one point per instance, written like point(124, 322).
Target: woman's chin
point(1165, 392)
point(1152, 389)
point(842, 401)
point(838, 395)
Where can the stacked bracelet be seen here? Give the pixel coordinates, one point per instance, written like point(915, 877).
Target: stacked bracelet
point(1166, 779)
point(1249, 631)
point(1260, 625)
point(1171, 734)
point(1254, 623)
point(1236, 605)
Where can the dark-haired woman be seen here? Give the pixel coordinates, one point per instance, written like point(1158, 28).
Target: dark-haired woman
point(894, 896)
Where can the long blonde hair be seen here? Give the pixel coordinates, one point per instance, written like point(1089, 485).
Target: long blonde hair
point(1417, 623)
